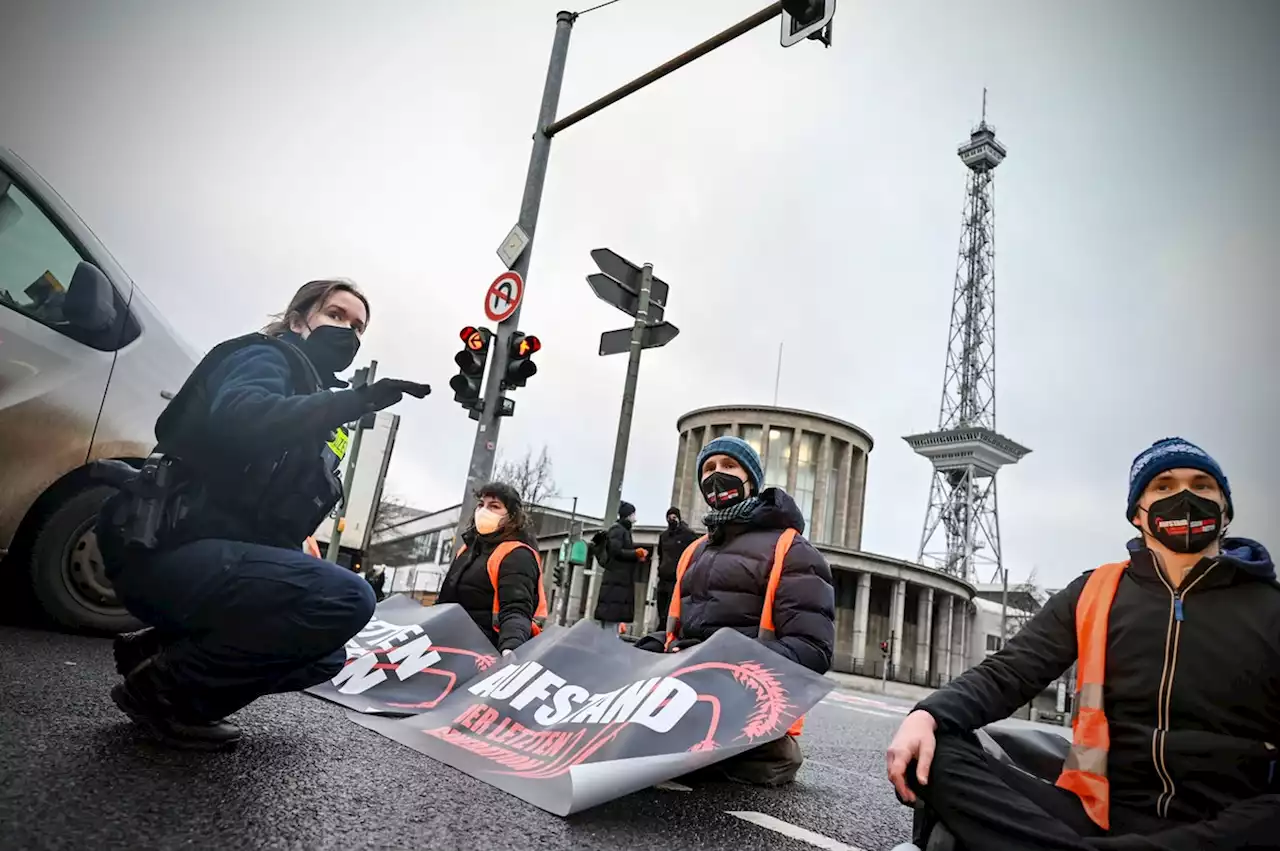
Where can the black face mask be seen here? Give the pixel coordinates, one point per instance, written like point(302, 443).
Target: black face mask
point(331, 348)
point(1185, 522)
point(672, 523)
point(723, 490)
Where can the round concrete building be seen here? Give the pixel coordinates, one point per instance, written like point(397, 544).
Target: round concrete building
point(821, 462)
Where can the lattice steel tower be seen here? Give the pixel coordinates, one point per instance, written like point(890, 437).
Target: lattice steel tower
point(962, 526)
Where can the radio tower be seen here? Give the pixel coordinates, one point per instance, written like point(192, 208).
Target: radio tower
point(962, 526)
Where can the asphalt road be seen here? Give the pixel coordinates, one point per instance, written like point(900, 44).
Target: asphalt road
point(74, 775)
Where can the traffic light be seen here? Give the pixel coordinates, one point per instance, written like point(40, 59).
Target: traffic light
point(520, 365)
point(803, 19)
point(884, 647)
point(470, 361)
point(557, 575)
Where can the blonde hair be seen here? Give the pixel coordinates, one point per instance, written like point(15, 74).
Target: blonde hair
point(309, 296)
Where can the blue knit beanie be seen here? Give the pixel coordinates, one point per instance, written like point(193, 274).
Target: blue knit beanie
point(1173, 453)
point(740, 451)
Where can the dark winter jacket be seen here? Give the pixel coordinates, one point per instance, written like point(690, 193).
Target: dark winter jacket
point(724, 585)
point(251, 425)
point(1191, 694)
point(467, 584)
point(671, 545)
point(617, 601)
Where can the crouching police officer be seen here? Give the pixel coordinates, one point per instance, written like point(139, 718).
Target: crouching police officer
point(204, 543)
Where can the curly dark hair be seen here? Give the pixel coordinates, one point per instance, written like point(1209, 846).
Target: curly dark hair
point(519, 525)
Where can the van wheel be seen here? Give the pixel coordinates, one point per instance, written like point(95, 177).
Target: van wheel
point(67, 574)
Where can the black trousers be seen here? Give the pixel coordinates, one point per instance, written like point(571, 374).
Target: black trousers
point(662, 593)
point(240, 620)
point(991, 806)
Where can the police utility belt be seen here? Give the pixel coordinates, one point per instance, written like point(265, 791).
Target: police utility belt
point(166, 502)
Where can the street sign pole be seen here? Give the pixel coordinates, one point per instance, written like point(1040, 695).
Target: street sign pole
point(353, 454)
point(480, 467)
point(624, 420)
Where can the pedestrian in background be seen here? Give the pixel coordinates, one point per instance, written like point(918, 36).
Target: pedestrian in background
point(617, 601)
point(672, 543)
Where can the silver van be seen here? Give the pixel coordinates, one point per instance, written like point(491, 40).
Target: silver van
point(86, 367)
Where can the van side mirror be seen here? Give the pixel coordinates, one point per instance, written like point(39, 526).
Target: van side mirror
point(90, 302)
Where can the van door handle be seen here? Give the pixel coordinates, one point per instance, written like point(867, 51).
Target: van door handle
point(167, 395)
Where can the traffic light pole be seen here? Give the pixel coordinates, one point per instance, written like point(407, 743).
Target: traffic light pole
point(486, 443)
point(624, 422)
point(480, 467)
point(353, 455)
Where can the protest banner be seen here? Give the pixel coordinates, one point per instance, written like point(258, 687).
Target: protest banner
point(409, 659)
point(577, 717)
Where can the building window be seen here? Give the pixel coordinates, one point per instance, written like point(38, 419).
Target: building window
point(446, 550)
point(426, 546)
point(993, 643)
point(775, 466)
point(832, 497)
point(807, 475)
point(754, 437)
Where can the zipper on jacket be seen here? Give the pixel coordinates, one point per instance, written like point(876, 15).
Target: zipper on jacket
point(1165, 696)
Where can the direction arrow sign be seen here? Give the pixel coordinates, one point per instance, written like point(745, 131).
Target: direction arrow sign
point(626, 277)
point(617, 342)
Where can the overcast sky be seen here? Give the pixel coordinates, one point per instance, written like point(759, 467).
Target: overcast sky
point(228, 152)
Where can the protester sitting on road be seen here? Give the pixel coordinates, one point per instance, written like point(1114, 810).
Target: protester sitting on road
point(252, 442)
point(496, 575)
point(672, 543)
point(1177, 715)
point(622, 559)
point(723, 579)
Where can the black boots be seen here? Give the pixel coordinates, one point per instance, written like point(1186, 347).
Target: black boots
point(151, 702)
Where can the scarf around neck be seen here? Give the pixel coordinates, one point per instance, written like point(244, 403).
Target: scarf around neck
point(734, 513)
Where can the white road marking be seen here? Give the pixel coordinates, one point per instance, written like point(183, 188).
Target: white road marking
point(795, 832)
point(861, 709)
point(879, 704)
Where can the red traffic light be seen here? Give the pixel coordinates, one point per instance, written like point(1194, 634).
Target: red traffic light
point(527, 346)
point(475, 338)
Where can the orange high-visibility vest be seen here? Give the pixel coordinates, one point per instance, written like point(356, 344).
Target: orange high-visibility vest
point(310, 547)
point(495, 564)
point(766, 632)
point(1085, 771)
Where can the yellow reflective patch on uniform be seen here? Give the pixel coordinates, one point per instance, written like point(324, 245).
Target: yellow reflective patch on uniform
point(339, 443)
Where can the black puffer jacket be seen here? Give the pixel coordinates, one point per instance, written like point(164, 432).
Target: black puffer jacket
point(617, 601)
point(467, 584)
point(725, 584)
point(1193, 704)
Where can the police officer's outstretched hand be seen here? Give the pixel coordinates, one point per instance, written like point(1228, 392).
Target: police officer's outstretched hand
point(386, 392)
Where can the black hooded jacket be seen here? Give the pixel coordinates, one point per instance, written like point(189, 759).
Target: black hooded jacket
point(1191, 693)
point(671, 545)
point(725, 584)
point(467, 584)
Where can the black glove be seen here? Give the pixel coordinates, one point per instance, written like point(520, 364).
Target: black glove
point(386, 392)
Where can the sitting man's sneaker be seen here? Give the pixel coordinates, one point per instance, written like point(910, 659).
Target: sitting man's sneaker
point(142, 696)
point(131, 649)
point(906, 846)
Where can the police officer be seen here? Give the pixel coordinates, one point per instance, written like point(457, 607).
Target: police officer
point(211, 560)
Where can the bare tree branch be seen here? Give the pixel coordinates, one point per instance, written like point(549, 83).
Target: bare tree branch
point(532, 477)
point(392, 511)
